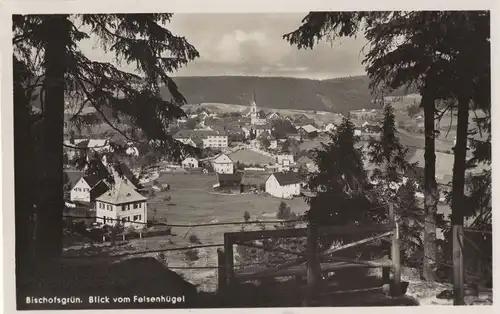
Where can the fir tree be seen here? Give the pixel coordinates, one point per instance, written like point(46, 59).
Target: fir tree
point(49, 68)
point(341, 185)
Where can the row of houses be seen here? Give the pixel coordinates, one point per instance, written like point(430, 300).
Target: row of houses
point(225, 164)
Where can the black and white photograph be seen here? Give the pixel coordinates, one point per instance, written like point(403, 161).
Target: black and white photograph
point(250, 160)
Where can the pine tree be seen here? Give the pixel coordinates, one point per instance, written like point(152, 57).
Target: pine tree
point(341, 182)
point(46, 48)
point(392, 181)
point(427, 50)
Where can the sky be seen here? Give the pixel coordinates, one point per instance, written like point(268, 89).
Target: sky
point(252, 44)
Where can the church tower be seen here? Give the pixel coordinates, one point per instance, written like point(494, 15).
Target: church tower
point(253, 110)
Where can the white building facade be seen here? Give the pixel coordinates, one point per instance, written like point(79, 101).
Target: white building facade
point(219, 141)
point(223, 164)
point(122, 204)
point(283, 185)
point(190, 162)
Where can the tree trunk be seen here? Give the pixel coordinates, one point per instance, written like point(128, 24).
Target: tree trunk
point(50, 211)
point(23, 186)
point(430, 189)
point(457, 201)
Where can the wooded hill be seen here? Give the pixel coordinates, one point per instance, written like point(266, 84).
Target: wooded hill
point(336, 95)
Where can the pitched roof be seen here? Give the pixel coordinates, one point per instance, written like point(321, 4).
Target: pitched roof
point(309, 128)
point(98, 190)
point(121, 192)
point(92, 180)
point(229, 179)
point(305, 160)
point(287, 178)
point(223, 158)
point(72, 176)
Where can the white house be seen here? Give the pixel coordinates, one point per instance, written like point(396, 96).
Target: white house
point(223, 164)
point(283, 184)
point(284, 160)
point(215, 140)
point(190, 162)
point(87, 189)
point(330, 127)
point(122, 203)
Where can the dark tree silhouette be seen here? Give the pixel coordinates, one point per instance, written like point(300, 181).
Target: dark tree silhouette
point(50, 66)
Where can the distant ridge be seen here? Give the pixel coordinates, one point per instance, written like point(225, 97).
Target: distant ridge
point(337, 95)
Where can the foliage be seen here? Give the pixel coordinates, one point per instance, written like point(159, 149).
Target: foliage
point(51, 69)
point(413, 110)
point(192, 255)
point(282, 127)
point(264, 142)
point(389, 155)
point(341, 181)
point(191, 123)
point(193, 238)
point(284, 211)
point(246, 215)
point(261, 114)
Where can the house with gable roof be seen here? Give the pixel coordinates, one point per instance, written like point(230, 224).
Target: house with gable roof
point(283, 184)
point(223, 164)
point(87, 189)
point(122, 203)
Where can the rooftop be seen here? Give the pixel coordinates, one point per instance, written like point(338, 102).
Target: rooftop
point(287, 178)
point(120, 193)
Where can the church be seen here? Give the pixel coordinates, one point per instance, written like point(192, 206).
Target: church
point(254, 114)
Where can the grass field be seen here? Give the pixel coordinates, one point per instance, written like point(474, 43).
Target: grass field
point(193, 202)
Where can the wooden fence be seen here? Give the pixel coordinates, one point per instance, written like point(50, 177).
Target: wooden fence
point(311, 263)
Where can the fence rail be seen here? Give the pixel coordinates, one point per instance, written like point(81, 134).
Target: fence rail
point(316, 262)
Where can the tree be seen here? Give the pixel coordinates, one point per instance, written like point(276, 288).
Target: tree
point(342, 181)
point(191, 124)
point(261, 114)
point(46, 47)
point(246, 215)
point(284, 211)
point(393, 184)
point(252, 134)
point(407, 48)
point(264, 142)
point(282, 127)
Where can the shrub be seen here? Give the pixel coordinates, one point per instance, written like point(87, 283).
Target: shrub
point(192, 255)
point(194, 239)
point(246, 216)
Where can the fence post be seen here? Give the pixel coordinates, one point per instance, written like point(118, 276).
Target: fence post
point(395, 254)
point(229, 258)
point(222, 275)
point(313, 265)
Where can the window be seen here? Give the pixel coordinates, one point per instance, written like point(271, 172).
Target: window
point(123, 207)
point(136, 205)
point(124, 219)
point(137, 217)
